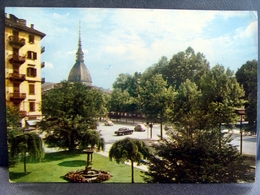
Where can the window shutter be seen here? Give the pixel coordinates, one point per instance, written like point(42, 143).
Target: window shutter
point(34, 55)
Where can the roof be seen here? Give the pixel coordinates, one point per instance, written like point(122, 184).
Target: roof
point(20, 24)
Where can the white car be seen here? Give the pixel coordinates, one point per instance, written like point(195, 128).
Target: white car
point(140, 127)
point(109, 123)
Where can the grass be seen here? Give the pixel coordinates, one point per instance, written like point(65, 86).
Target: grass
point(55, 165)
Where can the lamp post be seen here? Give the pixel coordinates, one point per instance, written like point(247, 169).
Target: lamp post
point(241, 112)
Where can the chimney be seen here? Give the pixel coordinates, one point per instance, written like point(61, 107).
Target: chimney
point(32, 25)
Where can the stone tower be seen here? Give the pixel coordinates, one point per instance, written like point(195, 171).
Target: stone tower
point(79, 72)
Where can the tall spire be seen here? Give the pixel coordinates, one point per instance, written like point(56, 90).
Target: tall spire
point(79, 54)
point(79, 72)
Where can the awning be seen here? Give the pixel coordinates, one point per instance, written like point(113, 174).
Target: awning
point(32, 122)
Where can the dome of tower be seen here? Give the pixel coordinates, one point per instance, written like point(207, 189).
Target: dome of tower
point(79, 72)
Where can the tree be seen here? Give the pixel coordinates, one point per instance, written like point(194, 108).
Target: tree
point(70, 110)
point(187, 108)
point(129, 149)
point(12, 116)
point(155, 98)
point(119, 101)
point(24, 143)
point(221, 96)
point(247, 76)
point(185, 65)
point(182, 159)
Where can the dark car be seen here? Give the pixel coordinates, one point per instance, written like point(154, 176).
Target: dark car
point(124, 131)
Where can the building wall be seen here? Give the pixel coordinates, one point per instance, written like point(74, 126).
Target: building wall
point(30, 106)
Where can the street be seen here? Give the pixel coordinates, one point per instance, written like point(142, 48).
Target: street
point(248, 144)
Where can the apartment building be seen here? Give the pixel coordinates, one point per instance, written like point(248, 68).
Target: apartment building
point(23, 66)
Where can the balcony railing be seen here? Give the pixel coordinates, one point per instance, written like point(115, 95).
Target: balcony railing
point(16, 42)
point(43, 80)
point(17, 77)
point(17, 97)
point(43, 64)
point(16, 59)
point(42, 49)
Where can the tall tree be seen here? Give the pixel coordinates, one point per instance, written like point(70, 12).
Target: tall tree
point(187, 108)
point(155, 98)
point(221, 96)
point(70, 110)
point(185, 65)
point(247, 76)
point(129, 149)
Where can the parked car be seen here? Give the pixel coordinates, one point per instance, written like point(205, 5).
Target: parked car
point(124, 131)
point(140, 127)
point(109, 123)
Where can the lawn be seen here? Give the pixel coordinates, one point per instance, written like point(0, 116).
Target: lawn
point(55, 165)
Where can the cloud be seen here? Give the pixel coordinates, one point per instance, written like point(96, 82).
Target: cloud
point(249, 31)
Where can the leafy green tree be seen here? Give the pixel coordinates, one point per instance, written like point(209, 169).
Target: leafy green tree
point(24, 143)
point(185, 65)
point(69, 111)
point(155, 98)
point(182, 159)
point(129, 149)
point(187, 108)
point(221, 96)
point(119, 101)
point(247, 76)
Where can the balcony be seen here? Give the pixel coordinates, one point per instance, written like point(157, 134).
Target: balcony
point(17, 77)
point(43, 64)
point(16, 42)
point(42, 49)
point(16, 59)
point(23, 113)
point(43, 80)
point(17, 97)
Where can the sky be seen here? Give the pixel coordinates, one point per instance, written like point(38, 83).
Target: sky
point(116, 41)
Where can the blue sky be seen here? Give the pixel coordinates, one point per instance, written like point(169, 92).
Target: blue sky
point(118, 41)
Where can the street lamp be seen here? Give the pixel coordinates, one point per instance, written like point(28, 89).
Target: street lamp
point(241, 112)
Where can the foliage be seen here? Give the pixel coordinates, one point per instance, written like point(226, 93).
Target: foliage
point(129, 149)
point(12, 116)
point(182, 66)
point(247, 76)
point(155, 98)
point(24, 143)
point(182, 159)
point(221, 96)
point(71, 110)
point(187, 107)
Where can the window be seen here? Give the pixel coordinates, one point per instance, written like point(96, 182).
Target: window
point(31, 72)
point(31, 106)
point(31, 39)
point(31, 89)
point(31, 55)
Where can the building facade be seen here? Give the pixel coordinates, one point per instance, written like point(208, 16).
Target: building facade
point(23, 66)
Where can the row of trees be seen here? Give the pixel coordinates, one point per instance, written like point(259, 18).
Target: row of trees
point(161, 90)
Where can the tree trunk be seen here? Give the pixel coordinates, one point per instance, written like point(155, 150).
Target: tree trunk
point(132, 169)
point(24, 162)
point(161, 130)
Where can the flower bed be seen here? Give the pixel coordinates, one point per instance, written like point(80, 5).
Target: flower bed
point(90, 176)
